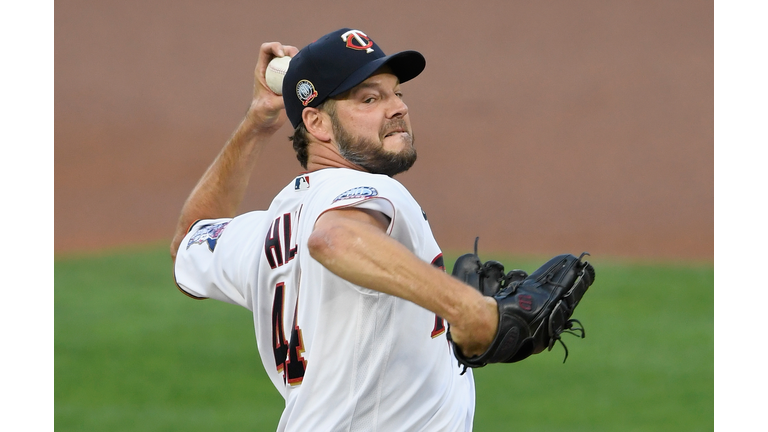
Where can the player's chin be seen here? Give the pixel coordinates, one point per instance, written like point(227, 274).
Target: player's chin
point(397, 142)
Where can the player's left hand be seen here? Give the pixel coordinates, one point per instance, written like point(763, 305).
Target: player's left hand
point(267, 109)
point(534, 311)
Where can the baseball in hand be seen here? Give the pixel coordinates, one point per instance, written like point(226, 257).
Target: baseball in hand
point(275, 72)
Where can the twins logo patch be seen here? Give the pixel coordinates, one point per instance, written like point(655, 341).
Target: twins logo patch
point(358, 192)
point(208, 234)
point(358, 40)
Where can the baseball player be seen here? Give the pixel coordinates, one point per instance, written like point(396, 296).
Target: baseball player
point(344, 278)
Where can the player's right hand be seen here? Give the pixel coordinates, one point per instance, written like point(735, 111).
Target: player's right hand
point(267, 109)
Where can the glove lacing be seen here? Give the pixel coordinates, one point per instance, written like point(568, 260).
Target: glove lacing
point(570, 329)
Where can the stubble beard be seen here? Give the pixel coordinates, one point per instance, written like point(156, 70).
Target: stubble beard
point(371, 155)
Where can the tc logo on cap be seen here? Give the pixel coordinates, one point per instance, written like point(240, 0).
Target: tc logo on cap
point(356, 36)
point(305, 90)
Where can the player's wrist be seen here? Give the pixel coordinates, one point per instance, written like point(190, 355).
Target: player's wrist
point(264, 116)
point(476, 331)
point(486, 325)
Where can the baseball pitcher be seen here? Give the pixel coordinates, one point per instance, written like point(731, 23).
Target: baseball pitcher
point(350, 299)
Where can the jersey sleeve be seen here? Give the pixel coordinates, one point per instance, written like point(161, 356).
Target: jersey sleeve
point(217, 256)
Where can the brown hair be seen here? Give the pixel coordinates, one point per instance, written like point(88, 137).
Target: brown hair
point(300, 137)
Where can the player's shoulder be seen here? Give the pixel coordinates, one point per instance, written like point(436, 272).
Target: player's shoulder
point(345, 183)
point(341, 187)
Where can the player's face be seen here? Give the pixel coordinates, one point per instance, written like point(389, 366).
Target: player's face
point(371, 126)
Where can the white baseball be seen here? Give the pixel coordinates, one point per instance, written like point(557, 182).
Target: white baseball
point(275, 72)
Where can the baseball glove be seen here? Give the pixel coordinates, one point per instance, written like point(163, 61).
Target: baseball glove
point(534, 310)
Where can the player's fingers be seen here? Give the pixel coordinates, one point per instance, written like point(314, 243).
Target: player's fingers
point(270, 104)
point(270, 50)
point(290, 50)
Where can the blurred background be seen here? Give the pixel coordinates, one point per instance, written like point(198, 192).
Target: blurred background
point(542, 127)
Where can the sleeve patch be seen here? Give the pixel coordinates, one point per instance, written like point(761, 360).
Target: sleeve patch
point(207, 234)
point(358, 192)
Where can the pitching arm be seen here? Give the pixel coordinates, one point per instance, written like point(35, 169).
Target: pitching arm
point(220, 191)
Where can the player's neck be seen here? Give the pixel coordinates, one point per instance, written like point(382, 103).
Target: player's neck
point(326, 155)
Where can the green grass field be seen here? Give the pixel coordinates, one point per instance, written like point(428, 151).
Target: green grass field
point(134, 354)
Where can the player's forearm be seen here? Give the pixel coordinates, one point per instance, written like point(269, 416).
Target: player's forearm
point(367, 257)
point(220, 191)
point(222, 187)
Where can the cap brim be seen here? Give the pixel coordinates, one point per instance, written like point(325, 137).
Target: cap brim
point(406, 65)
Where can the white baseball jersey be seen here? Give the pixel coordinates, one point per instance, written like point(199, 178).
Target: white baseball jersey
point(345, 358)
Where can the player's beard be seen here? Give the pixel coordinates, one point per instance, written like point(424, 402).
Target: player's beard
point(370, 154)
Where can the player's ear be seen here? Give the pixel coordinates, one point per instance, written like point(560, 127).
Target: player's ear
point(317, 123)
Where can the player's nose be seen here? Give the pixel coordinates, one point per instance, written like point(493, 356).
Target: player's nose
point(396, 107)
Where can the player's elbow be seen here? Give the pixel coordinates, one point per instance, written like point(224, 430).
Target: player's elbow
point(173, 252)
point(174, 248)
point(326, 244)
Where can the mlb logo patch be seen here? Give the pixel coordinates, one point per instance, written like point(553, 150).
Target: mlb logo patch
point(301, 183)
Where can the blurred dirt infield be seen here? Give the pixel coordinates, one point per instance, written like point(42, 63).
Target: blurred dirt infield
point(542, 127)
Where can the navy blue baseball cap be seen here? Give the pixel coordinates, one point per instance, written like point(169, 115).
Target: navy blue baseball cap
point(337, 62)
